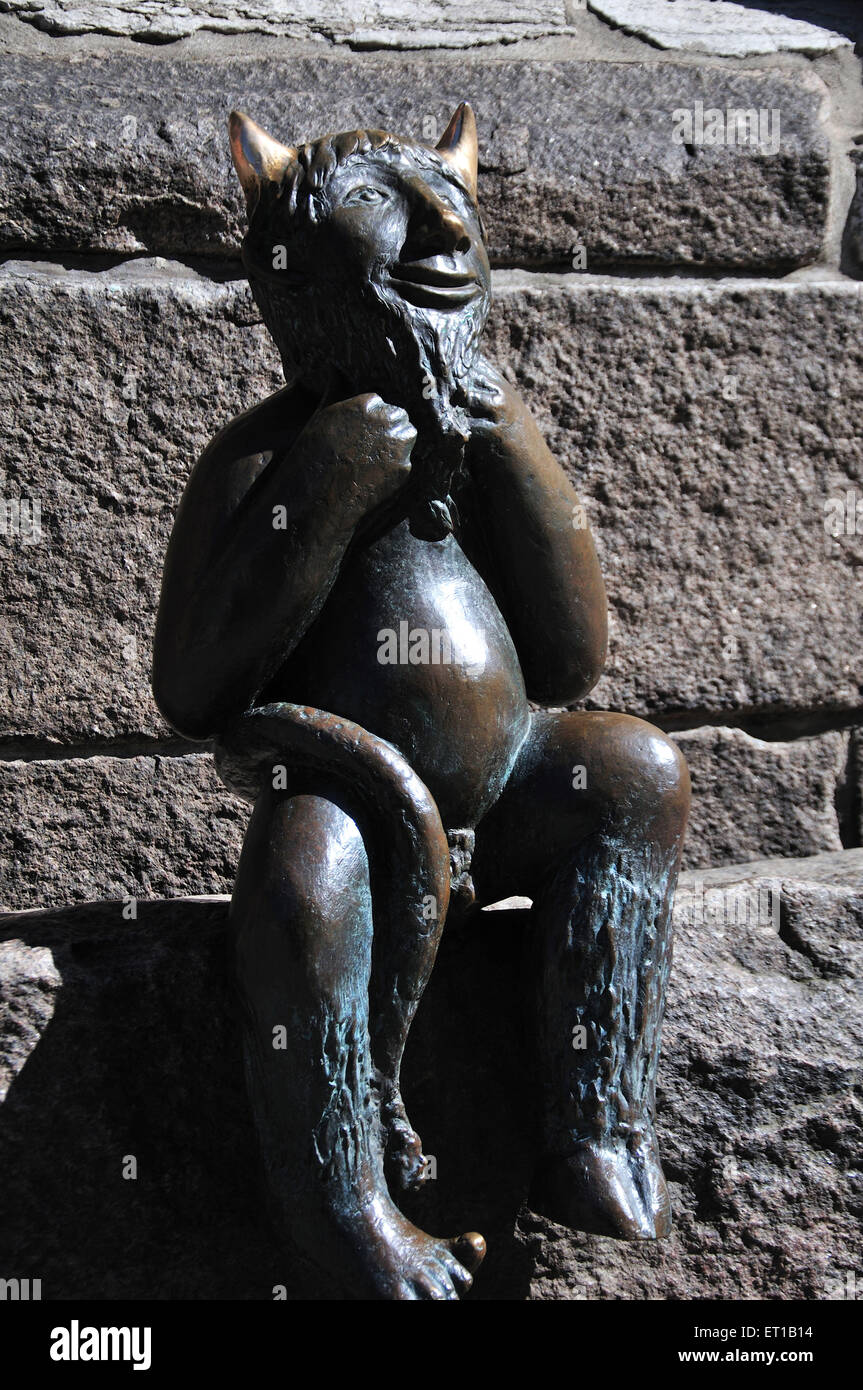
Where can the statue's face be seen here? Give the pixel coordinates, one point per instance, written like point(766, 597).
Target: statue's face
point(382, 236)
point(413, 233)
point(366, 253)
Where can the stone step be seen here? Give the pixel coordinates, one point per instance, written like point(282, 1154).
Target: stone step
point(103, 153)
point(118, 1042)
point(732, 30)
point(711, 428)
point(448, 22)
point(752, 799)
point(701, 26)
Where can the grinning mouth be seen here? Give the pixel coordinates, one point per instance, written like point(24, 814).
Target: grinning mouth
point(429, 285)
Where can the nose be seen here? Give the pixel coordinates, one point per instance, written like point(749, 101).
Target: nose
point(433, 229)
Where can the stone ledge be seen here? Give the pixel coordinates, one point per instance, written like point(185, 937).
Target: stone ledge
point(718, 27)
point(754, 799)
point(702, 26)
point(106, 154)
point(448, 23)
point(146, 827)
point(118, 1039)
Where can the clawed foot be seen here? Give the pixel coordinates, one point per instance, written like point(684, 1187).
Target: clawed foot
point(608, 1189)
point(400, 1262)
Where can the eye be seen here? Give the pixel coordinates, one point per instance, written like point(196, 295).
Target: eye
point(365, 195)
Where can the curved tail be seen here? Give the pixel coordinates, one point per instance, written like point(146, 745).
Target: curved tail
point(307, 751)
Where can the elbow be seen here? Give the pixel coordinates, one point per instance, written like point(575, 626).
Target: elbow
point(184, 718)
point(587, 671)
point(195, 694)
point(567, 671)
point(179, 704)
point(183, 681)
point(184, 723)
point(563, 686)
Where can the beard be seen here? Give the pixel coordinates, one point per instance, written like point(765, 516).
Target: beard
point(415, 358)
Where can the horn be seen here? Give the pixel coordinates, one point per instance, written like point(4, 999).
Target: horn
point(459, 146)
point(256, 155)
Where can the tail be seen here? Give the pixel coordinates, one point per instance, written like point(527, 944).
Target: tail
point(308, 751)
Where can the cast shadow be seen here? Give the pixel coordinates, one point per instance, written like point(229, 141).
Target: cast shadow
point(138, 1070)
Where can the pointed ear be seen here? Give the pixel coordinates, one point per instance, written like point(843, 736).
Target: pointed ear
point(257, 156)
point(459, 146)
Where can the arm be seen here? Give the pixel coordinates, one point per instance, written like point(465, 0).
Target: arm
point(535, 550)
point(243, 581)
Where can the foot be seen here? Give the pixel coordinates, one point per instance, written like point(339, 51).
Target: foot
point(396, 1260)
point(605, 1189)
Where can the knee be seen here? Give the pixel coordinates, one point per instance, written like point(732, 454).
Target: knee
point(647, 780)
point(301, 908)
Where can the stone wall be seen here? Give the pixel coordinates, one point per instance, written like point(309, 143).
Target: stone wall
point(683, 317)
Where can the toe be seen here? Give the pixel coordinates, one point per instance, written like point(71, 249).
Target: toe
point(435, 1283)
point(457, 1272)
point(405, 1291)
point(469, 1250)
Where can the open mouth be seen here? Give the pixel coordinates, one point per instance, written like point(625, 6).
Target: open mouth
point(430, 285)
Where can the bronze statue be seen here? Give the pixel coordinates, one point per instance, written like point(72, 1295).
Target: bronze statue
point(370, 574)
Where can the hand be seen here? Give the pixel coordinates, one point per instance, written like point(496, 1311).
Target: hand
point(370, 443)
point(490, 400)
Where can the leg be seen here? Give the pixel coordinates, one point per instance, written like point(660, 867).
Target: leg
point(408, 865)
point(301, 926)
point(591, 826)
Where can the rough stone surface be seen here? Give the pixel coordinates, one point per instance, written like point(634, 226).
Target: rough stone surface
point(717, 27)
point(726, 591)
point(85, 828)
point(123, 378)
point(751, 798)
point(77, 829)
point(449, 23)
point(708, 426)
point(839, 16)
point(118, 1040)
point(102, 154)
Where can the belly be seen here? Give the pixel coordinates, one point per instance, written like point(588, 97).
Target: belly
point(412, 646)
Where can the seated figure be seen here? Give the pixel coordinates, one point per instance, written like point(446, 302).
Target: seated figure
point(371, 575)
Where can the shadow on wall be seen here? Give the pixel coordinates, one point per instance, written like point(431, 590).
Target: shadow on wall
point(141, 1058)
